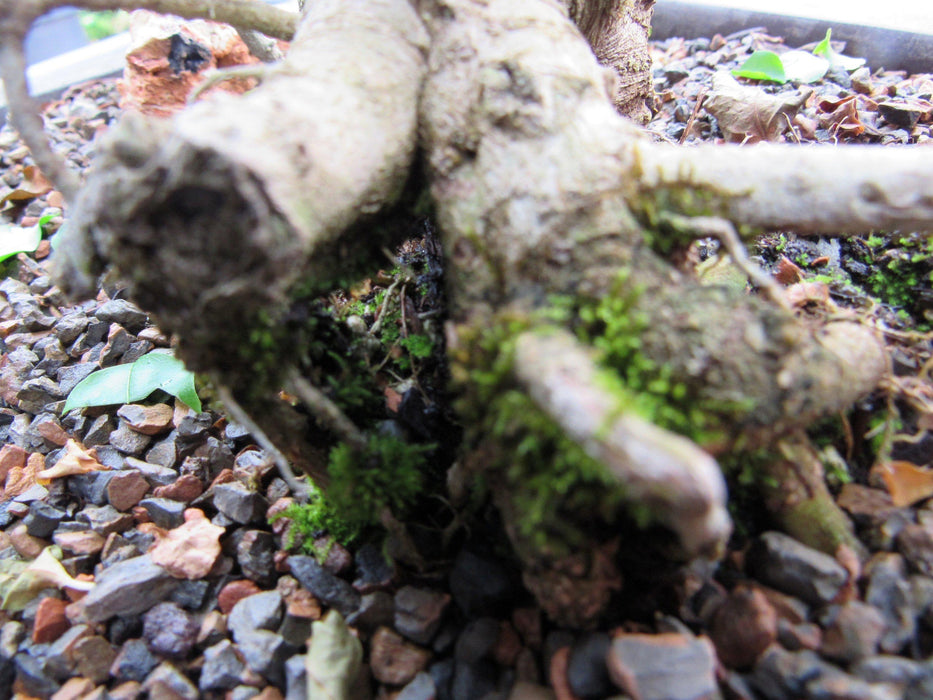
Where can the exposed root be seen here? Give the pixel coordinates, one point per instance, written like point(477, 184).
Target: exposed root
point(299, 490)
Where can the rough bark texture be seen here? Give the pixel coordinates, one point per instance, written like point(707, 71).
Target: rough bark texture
point(264, 187)
point(618, 31)
point(550, 205)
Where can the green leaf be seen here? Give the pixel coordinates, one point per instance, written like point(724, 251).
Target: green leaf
point(825, 49)
point(762, 65)
point(162, 370)
point(134, 382)
point(804, 67)
point(102, 388)
point(824, 46)
point(334, 659)
point(17, 239)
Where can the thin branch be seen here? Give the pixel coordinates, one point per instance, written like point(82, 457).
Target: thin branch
point(261, 46)
point(327, 413)
point(213, 78)
point(242, 417)
point(681, 483)
point(703, 226)
point(242, 14)
point(25, 117)
point(847, 190)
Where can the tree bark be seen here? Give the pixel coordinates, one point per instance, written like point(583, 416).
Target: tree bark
point(551, 207)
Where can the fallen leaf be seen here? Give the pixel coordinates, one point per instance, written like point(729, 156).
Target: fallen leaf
point(21, 479)
point(906, 482)
point(841, 115)
point(334, 658)
point(190, 550)
point(34, 185)
point(787, 272)
point(749, 114)
point(75, 460)
point(44, 571)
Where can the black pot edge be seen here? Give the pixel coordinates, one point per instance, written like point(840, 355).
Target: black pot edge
point(881, 48)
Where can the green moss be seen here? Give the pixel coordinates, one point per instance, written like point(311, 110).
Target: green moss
point(614, 326)
point(317, 518)
point(550, 480)
point(389, 474)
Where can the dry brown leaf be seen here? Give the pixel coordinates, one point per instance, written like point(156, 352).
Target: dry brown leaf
point(34, 185)
point(75, 460)
point(21, 479)
point(748, 114)
point(841, 115)
point(906, 482)
point(787, 272)
point(190, 550)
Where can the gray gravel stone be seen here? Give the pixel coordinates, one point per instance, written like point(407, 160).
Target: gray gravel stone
point(255, 553)
point(165, 452)
point(98, 432)
point(128, 588)
point(419, 612)
point(164, 512)
point(851, 632)
point(92, 487)
point(70, 326)
point(480, 585)
point(477, 640)
point(376, 609)
point(105, 519)
point(783, 675)
point(442, 673)
point(476, 679)
point(166, 681)
point(890, 592)
point(296, 678)
point(58, 654)
point(33, 434)
point(421, 688)
point(122, 312)
point(223, 667)
point(239, 503)
point(260, 611)
point(170, 630)
point(43, 519)
point(266, 653)
point(38, 393)
point(32, 678)
point(127, 440)
point(374, 571)
point(885, 668)
point(134, 661)
point(834, 684)
point(191, 595)
point(664, 666)
point(330, 590)
point(587, 672)
point(782, 562)
point(155, 474)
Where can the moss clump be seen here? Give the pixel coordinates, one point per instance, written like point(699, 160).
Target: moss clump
point(902, 272)
point(548, 478)
point(316, 518)
point(389, 474)
point(614, 325)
